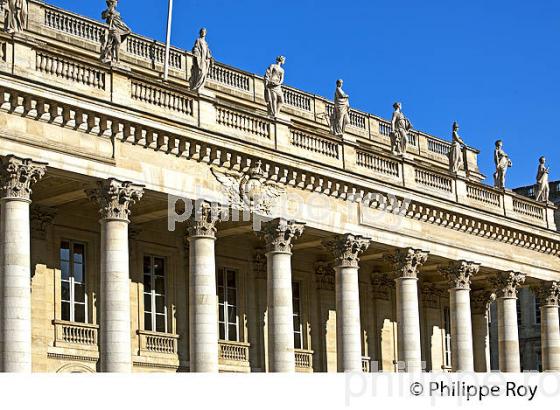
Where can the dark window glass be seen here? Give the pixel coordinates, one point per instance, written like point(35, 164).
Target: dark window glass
point(73, 275)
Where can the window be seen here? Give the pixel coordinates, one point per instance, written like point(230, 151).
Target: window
point(537, 311)
point(296, 302)
point(155, 309)
point(73, 284)
point(447, 342)
point(227, 298)
point(518, 307)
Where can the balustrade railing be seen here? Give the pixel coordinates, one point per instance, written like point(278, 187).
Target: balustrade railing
point(74, 333)
point(529, 209)
point(156, 342)
point(233, 351)
point(225, 75)
point(304, 359)
point(433, 180)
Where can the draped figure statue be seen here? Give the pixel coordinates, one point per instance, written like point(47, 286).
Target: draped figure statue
point(202, 62)
point(400, 125)
point(502, 161)
point(117, 33)
point(16, 15)
point(340, 116)
point(542, 189)
point(273, 80)
point(456, 162)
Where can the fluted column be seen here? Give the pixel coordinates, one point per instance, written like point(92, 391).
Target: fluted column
point(346, 250)
point(548, 294)
point(203, 303)
point(505, 284)
point(459, 274)
point(278, 235)
point(17, 175)
point(407, 263)
point(115, 198)
point(480, 303)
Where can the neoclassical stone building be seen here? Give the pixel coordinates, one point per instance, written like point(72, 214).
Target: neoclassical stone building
point(355, 250)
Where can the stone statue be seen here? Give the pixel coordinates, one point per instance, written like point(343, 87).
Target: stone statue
point(400, 125)
point(502, 162)
point(456, 151)
point(16, 12)
point(202, 61)
point(542, 189)
point(273, 80)
point(340, 116)
point(116, 34)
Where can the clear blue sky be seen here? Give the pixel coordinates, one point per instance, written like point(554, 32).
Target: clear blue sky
point(492, 65)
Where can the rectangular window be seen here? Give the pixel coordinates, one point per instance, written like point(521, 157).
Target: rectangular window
point(518, 307)
point(537, 311)
point(447, 327)
point(155, 307)
point(228, 317)
point(296, 302)
point(73, 281)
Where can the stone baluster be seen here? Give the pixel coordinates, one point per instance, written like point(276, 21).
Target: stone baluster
point(548, 294)
point(505, 285)
point(17, 175)
point(278, 235)
point(346, 250)
point(459, 274)
point(115, 198)
point(407, 263)
point(203, 304)
point(480, 304)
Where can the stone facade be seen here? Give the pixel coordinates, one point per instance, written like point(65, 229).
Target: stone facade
point(364, 259)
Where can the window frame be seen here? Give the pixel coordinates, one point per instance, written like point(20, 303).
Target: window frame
point(153, 294)
point(297, 302)
point(223, 307)
point(72, 282)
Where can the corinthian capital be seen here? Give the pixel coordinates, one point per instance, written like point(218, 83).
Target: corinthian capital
point(115, 198)
point(459, 273)
point(407, 262)
point(548, 293)
point(17, 175)
point(506, 283)
point(346, 249)
point(279, 233)
point(481, 299)
point(204, 221)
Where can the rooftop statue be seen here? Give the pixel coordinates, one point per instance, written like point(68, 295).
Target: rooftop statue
point(542, 189)
point(456, 163)
point(502, 161)
point(340, 116)
point(400, 125)
point(116, 34)
point(273, 80)
point(16, 12)
point(202, 62)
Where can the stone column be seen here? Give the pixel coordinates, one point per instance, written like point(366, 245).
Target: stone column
point(407, 263)
point(505, 284)
point(203, 303)
point(278, 235)
point(480, 303)
point(17, 175)
point(115, 198)
point(459, 274)
point(346, 250)
point(548, 295)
